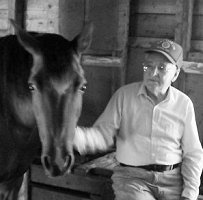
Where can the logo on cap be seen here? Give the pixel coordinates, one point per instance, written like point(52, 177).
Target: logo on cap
point(167, 44)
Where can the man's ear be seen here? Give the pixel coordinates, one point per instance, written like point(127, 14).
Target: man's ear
point(176, 75)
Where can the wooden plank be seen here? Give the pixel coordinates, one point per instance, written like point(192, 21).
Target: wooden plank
point(152, 25)
point(101, 61)
point(195, 56)
point(104, 15)
point(134, 71)
point(96, 197)
point(184, 24)
point(192, 67)
point(102, 82)
point(42, 25)
point(42, 16)
point(47, 194)
point(198, 7)
point(4, 4)
point(197, 45)
point(88, 17)
point(4, 24)
point(141, 42)
point(11, 14)
point(4, 14)
point(153, 6)
point(71, 17)
point(197, 27)
point(51, 5)
point(89, 184)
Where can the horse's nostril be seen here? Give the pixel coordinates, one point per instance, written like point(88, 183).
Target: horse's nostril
point(54, 168)
point(69, 161)
point(47, 162)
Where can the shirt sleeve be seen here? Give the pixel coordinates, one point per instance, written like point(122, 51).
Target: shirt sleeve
point(101, 135)
point(192, 156)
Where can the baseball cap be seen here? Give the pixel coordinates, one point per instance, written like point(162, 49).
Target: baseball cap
point(169, 49)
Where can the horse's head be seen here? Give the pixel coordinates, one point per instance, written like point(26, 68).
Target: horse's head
point(57, 85)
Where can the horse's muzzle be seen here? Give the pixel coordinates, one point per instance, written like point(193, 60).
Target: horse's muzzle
point(53, 169)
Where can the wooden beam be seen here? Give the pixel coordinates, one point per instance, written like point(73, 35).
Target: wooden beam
point(19, 12)
point(16, 9)
point(154, 6)
point(192, 67)
point(184, 24)
point(123, 32)
point(107, 61)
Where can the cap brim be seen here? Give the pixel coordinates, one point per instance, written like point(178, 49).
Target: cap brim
point(164, 53)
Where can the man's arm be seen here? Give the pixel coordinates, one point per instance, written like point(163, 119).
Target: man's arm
point(91, 140)
point(101, 135)
point(192, 164)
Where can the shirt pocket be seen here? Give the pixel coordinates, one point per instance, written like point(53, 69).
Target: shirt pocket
point(170, 128)
point(167, 127)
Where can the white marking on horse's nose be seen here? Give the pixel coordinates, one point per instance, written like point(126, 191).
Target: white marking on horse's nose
point(61, 86)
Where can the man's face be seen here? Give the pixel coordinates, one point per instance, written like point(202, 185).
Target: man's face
point(159, 73)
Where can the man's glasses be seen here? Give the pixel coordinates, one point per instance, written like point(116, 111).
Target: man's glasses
point(162, 68)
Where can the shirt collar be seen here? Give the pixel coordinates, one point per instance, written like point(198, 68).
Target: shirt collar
point(170, 95)
point(142, 90)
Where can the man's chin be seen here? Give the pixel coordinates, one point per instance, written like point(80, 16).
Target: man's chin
point(152, 88)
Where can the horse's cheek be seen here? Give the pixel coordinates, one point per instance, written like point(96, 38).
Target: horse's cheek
point(78, 106)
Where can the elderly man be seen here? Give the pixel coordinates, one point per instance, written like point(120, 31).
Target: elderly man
point(157, 142)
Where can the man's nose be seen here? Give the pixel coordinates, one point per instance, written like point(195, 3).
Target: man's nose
point(155, 71)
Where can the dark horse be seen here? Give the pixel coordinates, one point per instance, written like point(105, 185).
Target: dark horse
point(41, 88)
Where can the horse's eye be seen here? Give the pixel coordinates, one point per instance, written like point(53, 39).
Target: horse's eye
point(83, 88)
point(31, 86)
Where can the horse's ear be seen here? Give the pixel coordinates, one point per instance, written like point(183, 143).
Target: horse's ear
point(26, 40)
point(84, 39)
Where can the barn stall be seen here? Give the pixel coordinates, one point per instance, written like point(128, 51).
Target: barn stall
point(123, 29)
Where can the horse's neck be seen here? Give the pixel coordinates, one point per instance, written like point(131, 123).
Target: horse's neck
point(18, 120)
point(23, 110)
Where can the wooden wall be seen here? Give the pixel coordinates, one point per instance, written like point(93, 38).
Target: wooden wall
point(150, 20)
point(123, 29)
point(179, 20)
point(104, 63)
